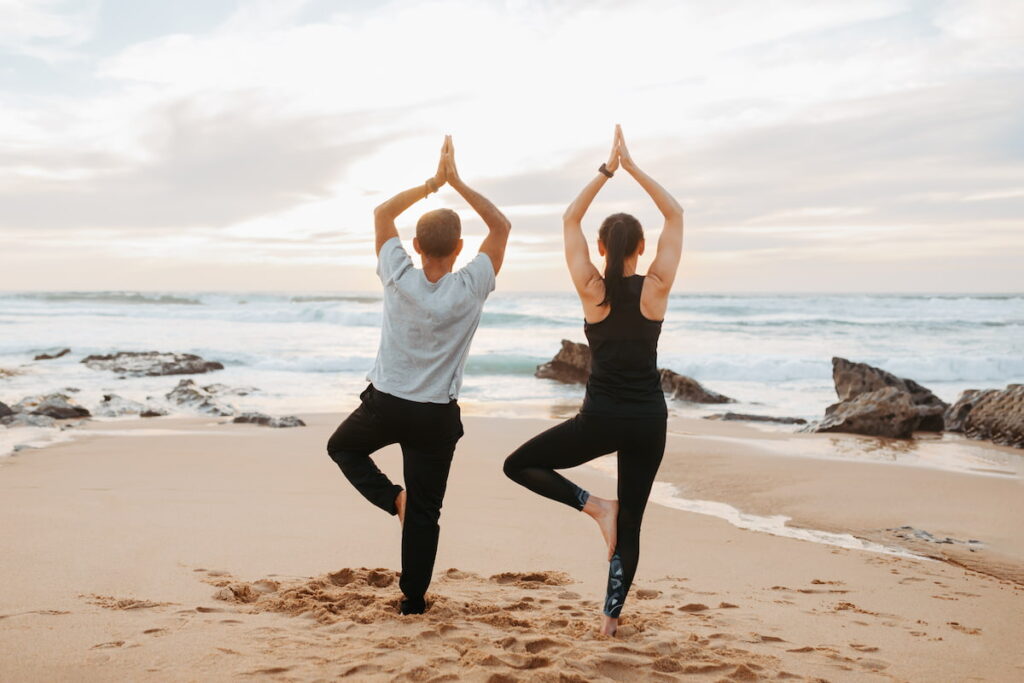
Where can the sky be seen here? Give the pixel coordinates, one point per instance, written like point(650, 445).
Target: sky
point(871, 146)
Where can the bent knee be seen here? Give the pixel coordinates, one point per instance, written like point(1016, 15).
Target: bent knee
point(511, 468)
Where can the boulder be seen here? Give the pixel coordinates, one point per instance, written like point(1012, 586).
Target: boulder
point(683, 388)
point(5, 410)
point(993, 414)
point(853, 379)
point(225, 390)
point(27, 420)
point(151, 363)
point(191, 395)
point(268, 421)
point(49, 356)
point(888, 411)
point(744, 417)
point(57, 406)
point(570, 365)
point(113, 405)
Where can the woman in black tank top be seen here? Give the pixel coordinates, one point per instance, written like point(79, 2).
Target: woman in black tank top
point(624, 408)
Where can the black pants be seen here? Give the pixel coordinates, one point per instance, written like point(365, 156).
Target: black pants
point(640, 443)
point(427, 433)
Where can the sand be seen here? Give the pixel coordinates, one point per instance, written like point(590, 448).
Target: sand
point(187, 549)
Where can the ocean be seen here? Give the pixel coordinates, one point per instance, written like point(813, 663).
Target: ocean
point(311, 352)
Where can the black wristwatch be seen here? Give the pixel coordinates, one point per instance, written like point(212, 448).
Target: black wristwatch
point(604, 170)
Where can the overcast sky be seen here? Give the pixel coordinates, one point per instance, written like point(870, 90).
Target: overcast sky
point(875, 145)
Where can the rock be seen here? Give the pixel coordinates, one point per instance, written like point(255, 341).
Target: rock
point(151, 363)
point(27, 420)
point(888, 411)
point(853, 379)
point(47, 356)
point(57, 406)
point(191, 395)
point(268, 421)
point(225, 390)
point(744, 417)
point(993, 414)
point(570, 365)
point(683, 388)
point(115, 406)
point(5, 410)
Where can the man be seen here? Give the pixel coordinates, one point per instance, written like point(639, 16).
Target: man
point(430, 316)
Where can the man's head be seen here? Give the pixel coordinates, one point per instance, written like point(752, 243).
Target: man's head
point(439, 234)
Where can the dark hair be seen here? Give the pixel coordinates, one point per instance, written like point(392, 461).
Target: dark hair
point(438, 232)
point(621, 235)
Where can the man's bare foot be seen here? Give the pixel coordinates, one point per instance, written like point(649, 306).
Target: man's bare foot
point(606, 514)
point(400, 506)
point(609, 625)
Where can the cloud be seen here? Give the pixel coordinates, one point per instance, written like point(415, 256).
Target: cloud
point(199, 169)
point(49, 30)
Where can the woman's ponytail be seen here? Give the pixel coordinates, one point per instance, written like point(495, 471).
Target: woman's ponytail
point(621, 235)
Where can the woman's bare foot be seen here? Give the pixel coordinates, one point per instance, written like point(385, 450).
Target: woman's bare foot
point(606, 514)
point(400, 506)
point(609, 625)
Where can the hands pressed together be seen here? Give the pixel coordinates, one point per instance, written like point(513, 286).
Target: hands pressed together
point(619, 154)
point(446, 170)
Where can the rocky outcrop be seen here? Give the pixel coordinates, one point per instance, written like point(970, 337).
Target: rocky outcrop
point(27, 420)
point(572, 365)
point(113, 405)
point(853, 379)
point(744, 417)
point(57, 406)
point(268, 421)
point(5, 410)
point(191, 395)
point(993, 414)
point(151, 363)
point(51, 356)
point(225, 390)
point(683, 388)
point(883, 412)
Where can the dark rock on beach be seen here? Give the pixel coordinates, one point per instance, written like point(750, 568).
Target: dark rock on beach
point(884, 412)
point(48, 356)
point(683, 388)
point(993, 414)
point(5, 410)
point(572, 365)
point(151, 363)
point(57, 406)
point(191, 395)
point(853, 379)
point(744, 417)
point(268, 421)
point(27, 420)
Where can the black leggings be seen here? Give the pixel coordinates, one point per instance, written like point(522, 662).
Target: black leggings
point(640, 443)
point(427, 433)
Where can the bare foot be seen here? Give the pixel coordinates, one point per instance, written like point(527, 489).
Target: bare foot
point(400, 506)
point(606, 514)
point(609, 625)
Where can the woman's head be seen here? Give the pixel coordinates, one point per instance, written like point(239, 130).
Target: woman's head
point(619, 238)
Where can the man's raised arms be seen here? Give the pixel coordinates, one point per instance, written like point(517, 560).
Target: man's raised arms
point(498, 226)
point(385, 214)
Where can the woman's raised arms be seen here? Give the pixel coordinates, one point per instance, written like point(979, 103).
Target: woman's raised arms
point(585, 276)
point(662, 273)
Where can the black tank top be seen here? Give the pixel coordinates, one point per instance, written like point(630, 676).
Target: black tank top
point(624, 378)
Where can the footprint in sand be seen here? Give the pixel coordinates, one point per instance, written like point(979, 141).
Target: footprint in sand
point(964, 629)
point(111, 644)
point(648, 594)
point(693, 607)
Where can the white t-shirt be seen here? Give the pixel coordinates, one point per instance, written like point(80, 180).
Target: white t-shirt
point(427, 326)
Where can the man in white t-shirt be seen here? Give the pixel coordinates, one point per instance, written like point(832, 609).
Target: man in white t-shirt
point(430, 316)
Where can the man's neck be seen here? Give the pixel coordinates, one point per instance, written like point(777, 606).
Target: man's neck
point(435, 269)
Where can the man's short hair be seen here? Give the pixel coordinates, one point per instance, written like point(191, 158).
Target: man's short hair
point(438, 232)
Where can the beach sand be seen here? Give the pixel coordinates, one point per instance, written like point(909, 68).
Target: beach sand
point(188, 549)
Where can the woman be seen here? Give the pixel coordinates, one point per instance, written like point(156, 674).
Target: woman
point(624, 408)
